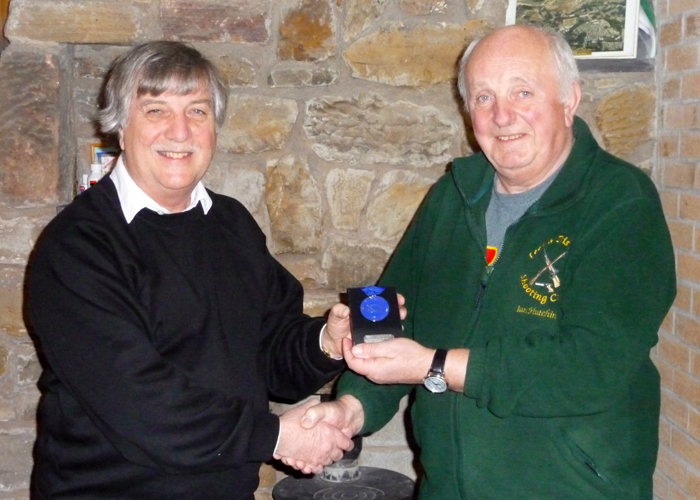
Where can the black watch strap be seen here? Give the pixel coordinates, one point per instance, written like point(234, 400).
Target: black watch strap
point(438, 365)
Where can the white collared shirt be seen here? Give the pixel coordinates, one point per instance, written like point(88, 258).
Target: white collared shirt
point(133, 199)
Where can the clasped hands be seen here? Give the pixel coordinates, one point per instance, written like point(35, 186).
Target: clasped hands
point(314, 435)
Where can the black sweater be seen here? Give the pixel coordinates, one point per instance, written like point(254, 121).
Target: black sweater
point(163, 339)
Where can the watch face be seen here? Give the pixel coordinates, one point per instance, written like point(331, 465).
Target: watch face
point(435, 384)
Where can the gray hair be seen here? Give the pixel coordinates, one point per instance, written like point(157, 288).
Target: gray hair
point(153, 68)
point(562, 54)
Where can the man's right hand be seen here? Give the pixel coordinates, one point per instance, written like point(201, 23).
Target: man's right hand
point(345, 413)
point(309, 448)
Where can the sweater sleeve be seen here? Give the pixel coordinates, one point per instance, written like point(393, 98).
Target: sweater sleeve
point(293, 363)
point(619, 291)
point(98, 340)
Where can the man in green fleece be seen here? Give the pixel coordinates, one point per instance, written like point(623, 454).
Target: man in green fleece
point(536, 276)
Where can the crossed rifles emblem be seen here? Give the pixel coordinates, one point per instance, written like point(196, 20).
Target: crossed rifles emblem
point(553, 272)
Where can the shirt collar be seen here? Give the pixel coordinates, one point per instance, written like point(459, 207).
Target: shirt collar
point(133, 199)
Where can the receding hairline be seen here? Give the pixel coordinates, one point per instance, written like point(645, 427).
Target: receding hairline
point(538, 38)
point(511, 31)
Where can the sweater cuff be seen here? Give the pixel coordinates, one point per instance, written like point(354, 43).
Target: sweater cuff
point(264, 437)
point(475, 372)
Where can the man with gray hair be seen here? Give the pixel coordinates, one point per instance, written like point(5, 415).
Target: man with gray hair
point(536, 275)
point(163, 320)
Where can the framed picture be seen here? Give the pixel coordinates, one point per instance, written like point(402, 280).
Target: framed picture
point(104, 154)
point(594, 28)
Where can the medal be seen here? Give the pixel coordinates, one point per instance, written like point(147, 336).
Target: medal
point(374, 308)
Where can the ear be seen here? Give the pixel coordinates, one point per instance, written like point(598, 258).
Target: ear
point(571, 104)
point(121, 138)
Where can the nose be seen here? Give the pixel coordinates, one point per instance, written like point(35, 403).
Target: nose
point(178, 129)
point(502, 113)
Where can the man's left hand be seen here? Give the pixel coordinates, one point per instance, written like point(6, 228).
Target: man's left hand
point(395, 361)
point(338, 327)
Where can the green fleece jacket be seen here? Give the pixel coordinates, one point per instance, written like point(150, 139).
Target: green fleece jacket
point(561, 399)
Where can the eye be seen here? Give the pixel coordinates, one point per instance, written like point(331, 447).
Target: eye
point(199, 112)
point(525, 93)
point(482, 99)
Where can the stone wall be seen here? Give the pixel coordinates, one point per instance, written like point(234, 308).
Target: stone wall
point(342, 114)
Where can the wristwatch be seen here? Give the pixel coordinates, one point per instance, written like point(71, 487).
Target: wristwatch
point(435, 381)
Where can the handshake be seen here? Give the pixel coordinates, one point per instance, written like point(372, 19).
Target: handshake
point(314, 435)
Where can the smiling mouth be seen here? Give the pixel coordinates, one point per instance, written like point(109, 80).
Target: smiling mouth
point(507, 138)
point(175, 155)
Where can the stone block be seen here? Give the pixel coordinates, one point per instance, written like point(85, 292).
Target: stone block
point(236, 71)
point(294, 204)
point(302, 77)
point(91, 62)
point(15, 460)
point(11, 300)
point(625, 119)
point(227, 176)
point(395, 202)
point(417, 57)
point(352, 263)
point(29, 127)
point(483, 9)
point(28, 369)
point(85, 99)
point(359, 15)
point(318, 302)
point(19, 230)
point(423, 7)
point(245, 184)
point(75, 21)
point(257, 123)
point(347, 192)
point(29, 401)
point(237, 21)
point(307, 270)
point(18, 406)
point(268, 476)
point(7, 408)
point(369, 129)
point(307, 32)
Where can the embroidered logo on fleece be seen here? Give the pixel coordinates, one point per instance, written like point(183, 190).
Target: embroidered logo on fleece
point(542, 285)
point(491, 253)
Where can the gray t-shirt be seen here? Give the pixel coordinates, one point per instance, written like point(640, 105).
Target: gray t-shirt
point(505, 209)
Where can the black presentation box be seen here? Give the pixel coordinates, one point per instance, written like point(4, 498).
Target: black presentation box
point(374, 314)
